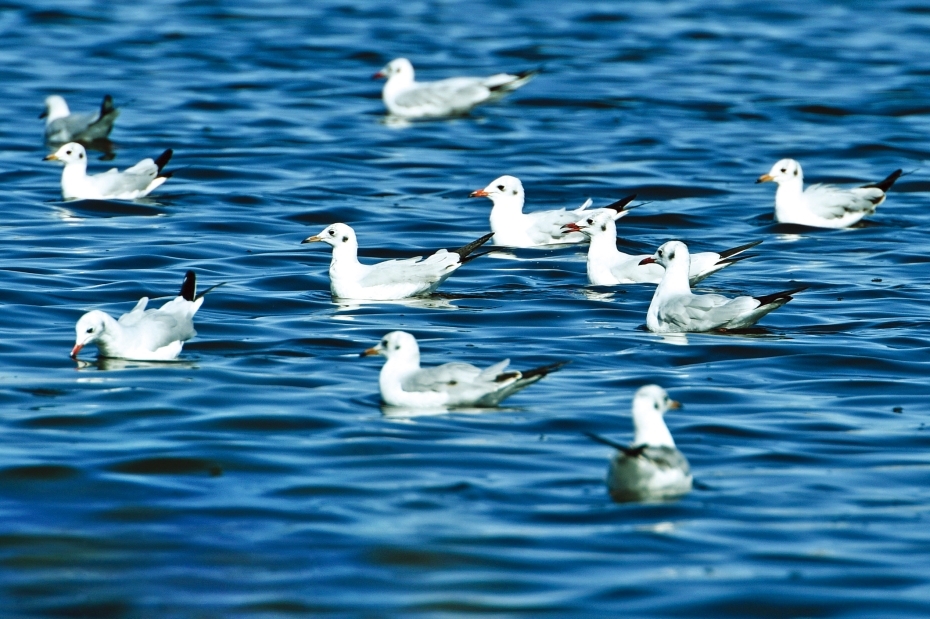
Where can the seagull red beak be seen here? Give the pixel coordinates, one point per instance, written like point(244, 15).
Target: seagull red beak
point(74, 351)
point(571, 228)
point(649, 260)
point(480, 193)
point(377, 76)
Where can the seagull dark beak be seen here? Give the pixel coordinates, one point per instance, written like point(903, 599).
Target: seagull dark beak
point(765, 178)
point(481, 193)
point(370, 352)
point(43, 114)
point(649, 260)
point(52, 157)
point(311, 239)
point(571, 228)
point(74, 351)
point(379, 75)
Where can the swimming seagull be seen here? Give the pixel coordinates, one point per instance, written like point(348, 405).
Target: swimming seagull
point(407, 98)
point(143, 335)
point(652, 467)
point(62, 126)
point(404, 383)
point(514, 228)
point(822, 206)
point(391, 279)
point(608, 266)
point(675, 309)
point(135, 182)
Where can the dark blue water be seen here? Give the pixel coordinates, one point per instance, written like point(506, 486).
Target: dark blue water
point(259, 478)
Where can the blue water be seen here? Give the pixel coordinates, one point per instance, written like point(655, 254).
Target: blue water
point(258, 477)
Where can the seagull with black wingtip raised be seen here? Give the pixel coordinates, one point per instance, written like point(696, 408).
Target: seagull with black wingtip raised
point(62, 126)
point(675, 309)
point(822, 206)
point(136, 182)
point(404, 383)
point(652, 468)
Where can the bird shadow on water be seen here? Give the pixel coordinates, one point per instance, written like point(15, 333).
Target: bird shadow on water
point(108, 364)
point(76, 209)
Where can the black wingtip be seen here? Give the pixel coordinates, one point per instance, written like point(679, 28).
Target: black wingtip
point(107, 106)
point(210, 289)
point(630, 452)
point(189, 287)
point(785, 295)
point(162, 161)
point(543, 370)
point(738, 250)
point(622, 204)
point(463, 252)
point(886, 184)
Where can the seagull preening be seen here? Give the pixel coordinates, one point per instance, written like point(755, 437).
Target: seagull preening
point(143, 335)
point(651, 468)
point(391, 279)
point(608, 266)
point(407, 98)
point(135, 182)
point(514, 228)
point(675, 309)
point(404, 383)
point(62, 126)
point(822, 206)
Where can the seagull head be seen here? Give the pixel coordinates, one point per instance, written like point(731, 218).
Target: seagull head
point(396, 345)
point(671, 252)
point(649, 406)
point(597, 222)
point(397, 67)
point(88, 329)
point(335, 235)
point(70, 153)
point(55, 108)
point(784, 171)
point(503, 190)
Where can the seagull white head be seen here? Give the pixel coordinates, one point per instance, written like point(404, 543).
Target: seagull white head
point(669, 254)
point(89, 328)
point(55, 108)
point(649, 405)
point(503, 191)
point(599, 222)
point(335, 235)
point(70, 153)
point(397, 345)
point(784, 171)
point(398, 69)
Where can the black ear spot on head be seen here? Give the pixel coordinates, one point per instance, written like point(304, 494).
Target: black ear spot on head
point(656, 405)
point(81, 156)
point(603, 227)
point(514, 192)
point(795, 172)
point(344, 239)
point(396, 346)
point(671, 256)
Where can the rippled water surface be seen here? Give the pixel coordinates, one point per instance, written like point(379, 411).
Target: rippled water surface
point(259, 477)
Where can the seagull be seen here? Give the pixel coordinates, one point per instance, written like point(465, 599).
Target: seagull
point(391, 279)
point(143, 335)
point(675, 309)
point(608, 266)
point(514, 228)
point(404, 383)
point(62, 126)
point(135, 182)
point(406, 98)
point(652, 467)
point(822, 206)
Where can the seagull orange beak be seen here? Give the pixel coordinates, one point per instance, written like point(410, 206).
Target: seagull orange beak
point(370, 352)
point(480, 193)
point(571, 228)
point(311, 239)
point(675, 404)
point(74, 351)
point(765, 178)
point(649, 260)
point(52, 157)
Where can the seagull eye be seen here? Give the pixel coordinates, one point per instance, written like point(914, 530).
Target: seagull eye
point(500, 187)
point(332, 233)
point(90, 330)
point(590, 221)
point(784, 170)
point(660, 252)
point(68, 152)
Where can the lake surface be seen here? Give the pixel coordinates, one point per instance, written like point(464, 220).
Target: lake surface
point(259, 477)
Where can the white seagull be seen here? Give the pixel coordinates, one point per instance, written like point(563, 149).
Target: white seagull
point(652, 467)
point(391, 279)
point(135, 182)
point(407, 98)
point(608, 266)
point(822, 206)
point(143, 335)
point(62, 126)
point(675, 309)
point(404, 383)
point(514, 228)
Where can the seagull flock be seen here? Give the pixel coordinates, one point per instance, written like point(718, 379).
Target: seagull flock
point(651, 467)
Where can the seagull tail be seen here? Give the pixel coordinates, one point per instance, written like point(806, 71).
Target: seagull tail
point(729, 253)
point(464, 252)
point(189, 287)
point(162, 161)
point(630, 452)
point(107, 106)
point(886, 184)
point(784, 296)
point(623, 204)
point(519, 80)
point(543, 370)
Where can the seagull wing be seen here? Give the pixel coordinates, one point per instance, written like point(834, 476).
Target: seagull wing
point(832, 202)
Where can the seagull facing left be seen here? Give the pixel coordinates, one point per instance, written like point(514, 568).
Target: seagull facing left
point(143, 335)
point(62, 126)
point(392, 279)
point(822, 206)
point(135, 182)
point(404, 383)
point(675, 309)
point(651, 468)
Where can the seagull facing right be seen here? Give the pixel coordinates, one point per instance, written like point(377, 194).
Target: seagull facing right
point(608, 266)
point(136, 182)
point(822, 206)
point(651, 468)
point(143, 335)
point(407, 98)
point(675, 309)
point(62, 126)
point(404, 383)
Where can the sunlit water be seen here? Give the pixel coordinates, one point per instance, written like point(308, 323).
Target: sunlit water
point(259, 477)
